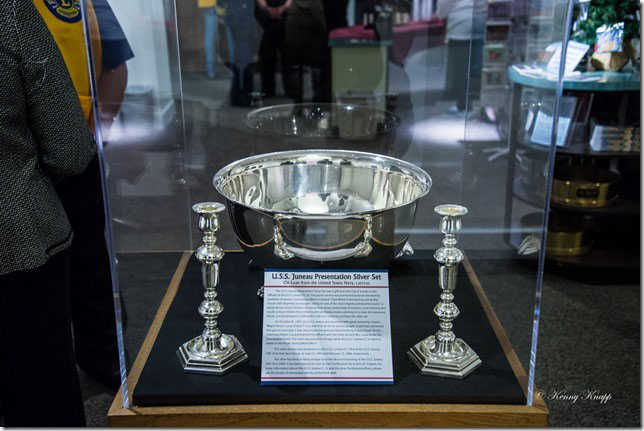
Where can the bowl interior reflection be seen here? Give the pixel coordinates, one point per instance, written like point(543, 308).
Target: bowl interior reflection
point(329, 185)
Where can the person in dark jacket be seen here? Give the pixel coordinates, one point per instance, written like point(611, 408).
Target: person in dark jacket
point(95, 339)
point(239, 14)
point(270, 16)
point(43, 138)
point(306, 45)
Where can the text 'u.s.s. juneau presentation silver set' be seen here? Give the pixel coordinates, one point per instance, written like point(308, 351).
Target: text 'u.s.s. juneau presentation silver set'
point(315, 206)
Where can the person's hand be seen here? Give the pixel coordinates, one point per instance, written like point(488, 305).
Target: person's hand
point(274, 12)
point(264, 6)
point(284, 8)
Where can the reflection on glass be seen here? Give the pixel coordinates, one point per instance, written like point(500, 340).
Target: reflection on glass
point(215, 81)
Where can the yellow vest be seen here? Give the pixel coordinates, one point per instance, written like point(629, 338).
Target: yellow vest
point(206, 3)
point(63, 18)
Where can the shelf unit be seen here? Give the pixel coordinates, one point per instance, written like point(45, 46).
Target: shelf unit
point(580, 150)
point(496, 52)
point(623, 213)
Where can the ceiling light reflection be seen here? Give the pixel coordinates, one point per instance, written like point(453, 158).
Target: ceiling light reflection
point(451, 131)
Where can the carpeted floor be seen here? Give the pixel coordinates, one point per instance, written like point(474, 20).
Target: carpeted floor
point(589, 340)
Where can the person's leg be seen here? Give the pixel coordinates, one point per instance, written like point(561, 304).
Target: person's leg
point(457, 71)
point(234, 23)
point(40, 385)
point(248, 85)
point(242, 23)
point(90, 279)
point(273, 43)
point(280, 47)
point(235, 86)
point(450, 70)
point(292, 64)
point(268, 56)
point(214, 42)
point(210, 39)
point(293, 77)
point(321, 73)
point(462, 73)
point(475, 69)
point(230, 41)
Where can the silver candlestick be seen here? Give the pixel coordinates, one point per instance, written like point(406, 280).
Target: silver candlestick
point(211, 352)
point(443, 354)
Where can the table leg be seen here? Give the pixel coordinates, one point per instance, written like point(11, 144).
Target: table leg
point(513, 134)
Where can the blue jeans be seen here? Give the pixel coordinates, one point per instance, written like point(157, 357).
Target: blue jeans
point(230, 42)
point(210, 34)
point(210, 28)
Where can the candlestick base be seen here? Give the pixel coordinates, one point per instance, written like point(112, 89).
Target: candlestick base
point(458, 362)
point(196, 358)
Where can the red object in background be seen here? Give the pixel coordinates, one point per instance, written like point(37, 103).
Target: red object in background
point(404, 35)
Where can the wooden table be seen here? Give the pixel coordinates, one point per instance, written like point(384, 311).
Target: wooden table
point(328, 415)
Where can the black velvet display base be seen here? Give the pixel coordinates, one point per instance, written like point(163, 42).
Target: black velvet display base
point(413, 294)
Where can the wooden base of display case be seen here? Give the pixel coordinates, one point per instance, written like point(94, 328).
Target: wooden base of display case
point(328, 415)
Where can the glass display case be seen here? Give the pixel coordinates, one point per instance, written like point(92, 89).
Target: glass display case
point(471, 95)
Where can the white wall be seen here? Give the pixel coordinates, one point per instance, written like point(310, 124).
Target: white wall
point(143, 22)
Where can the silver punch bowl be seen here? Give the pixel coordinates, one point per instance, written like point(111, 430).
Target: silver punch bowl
point(351, 208)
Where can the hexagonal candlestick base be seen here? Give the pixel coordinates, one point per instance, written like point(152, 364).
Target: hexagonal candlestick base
point(457, 364)
point(196, 359)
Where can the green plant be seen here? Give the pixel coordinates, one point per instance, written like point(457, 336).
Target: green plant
point(602, 12)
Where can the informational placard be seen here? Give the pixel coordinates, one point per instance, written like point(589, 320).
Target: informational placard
point(542, 131)
point(574, 54)
point(541, 134)
point(326, 327)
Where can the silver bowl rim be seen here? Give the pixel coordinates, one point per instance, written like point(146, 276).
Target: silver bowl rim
point(220, 178)
point(394, 117)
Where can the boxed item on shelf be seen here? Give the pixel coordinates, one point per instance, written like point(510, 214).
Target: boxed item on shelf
point(495, 54)
point(498, 30)
point(499, 9)
point(493, 77)
point(615, 138)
